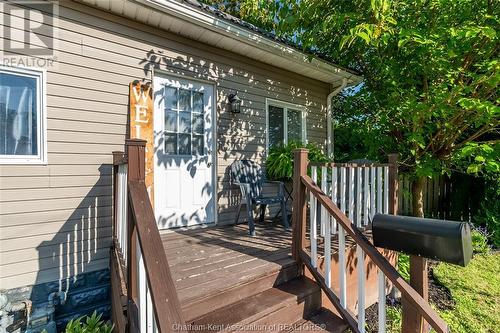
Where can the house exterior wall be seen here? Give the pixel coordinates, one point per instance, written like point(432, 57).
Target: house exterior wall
point(55, 219)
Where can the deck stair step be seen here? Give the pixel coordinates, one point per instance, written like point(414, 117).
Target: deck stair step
point(322, 321)
point(272, 309)
point(198, 307)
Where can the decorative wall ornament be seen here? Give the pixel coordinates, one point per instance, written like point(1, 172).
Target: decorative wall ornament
point(141, 125)
point(235, 102)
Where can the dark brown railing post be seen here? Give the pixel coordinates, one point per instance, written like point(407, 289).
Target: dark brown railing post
point(393, 184)
point(136, 170)
point(300, 161)
point(136, 151)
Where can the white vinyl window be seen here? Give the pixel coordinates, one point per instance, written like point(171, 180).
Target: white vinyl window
point(22, 116)
point(285, 123)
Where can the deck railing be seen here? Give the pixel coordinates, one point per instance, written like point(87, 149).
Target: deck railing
point(360, 190)
point(366, 191)
point(152, 301)
point(120, 202)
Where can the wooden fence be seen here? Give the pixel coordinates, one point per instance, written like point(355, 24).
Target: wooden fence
point(455, 197)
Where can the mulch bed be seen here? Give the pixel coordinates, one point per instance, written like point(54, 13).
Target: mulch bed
point(439, 296)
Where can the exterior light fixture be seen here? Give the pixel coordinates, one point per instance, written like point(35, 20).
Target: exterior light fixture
point(235, 102)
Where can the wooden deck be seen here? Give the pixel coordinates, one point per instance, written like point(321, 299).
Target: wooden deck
point(206, 261)
point(220, 276)
point(225, 277)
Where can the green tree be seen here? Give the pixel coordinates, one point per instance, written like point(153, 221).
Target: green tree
point(257, 12)
point(431, 72)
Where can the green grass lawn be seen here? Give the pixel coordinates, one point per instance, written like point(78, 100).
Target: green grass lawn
point(475, 289)
point(476, 292)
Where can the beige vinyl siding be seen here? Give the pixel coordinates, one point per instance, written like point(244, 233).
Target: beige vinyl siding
point(55, 219)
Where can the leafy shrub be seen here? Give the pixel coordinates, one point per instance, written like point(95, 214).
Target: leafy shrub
point(489, 213)
point(479, 241)
point(404, 266)
point(394, 318)
point(92, 324)
point(279, 162)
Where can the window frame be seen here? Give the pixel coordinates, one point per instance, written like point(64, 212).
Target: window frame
point(177, 110)
point(40, 74)
point(285, 106)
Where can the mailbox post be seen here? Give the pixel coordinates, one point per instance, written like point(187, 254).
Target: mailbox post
point(422, 238)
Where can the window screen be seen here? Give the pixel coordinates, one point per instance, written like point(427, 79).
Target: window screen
point(276, 128)
point(294, 121)
point(19, 118)
point(284, 125)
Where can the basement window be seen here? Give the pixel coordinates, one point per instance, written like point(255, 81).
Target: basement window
point(285, 123)
point(22, 116)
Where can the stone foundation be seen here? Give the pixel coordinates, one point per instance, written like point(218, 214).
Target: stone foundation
point(55, 303)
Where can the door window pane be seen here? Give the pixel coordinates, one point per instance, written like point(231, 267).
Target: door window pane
point(198, 145)
point(170, 98)
point(171, 121)
point(198, 124)
point(170, 144)
point(185, 122)
point(184, 144)
point(19, 130)
point(294, 131)
point(275, 129)
point(198, 102)
point(184, 100)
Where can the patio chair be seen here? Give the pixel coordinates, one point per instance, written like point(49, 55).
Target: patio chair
point(249, 176)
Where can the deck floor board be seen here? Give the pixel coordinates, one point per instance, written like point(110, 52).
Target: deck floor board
point(204, 261)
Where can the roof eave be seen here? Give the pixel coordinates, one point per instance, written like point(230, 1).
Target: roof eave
point(224, 34)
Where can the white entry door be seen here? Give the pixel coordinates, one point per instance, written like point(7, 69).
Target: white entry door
point(184, 152)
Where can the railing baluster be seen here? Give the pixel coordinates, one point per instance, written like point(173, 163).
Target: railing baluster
point(366, 192)
point(328, 254)
point(142, 289)
point(342, 268)
point(118, 209)
point(123, 201)
point(372, 192)
point(324, 188)
point(381, 302)
point(361, 288)
point(150, 311)
point(358, 197)
point(334, 196)
point(351, 194)
point(380, 195)
point(342, 189)
point(386, 190)
point(342, 261)
point(313, 220)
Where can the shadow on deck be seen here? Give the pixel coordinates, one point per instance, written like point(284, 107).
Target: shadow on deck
point(206, 261)
point(213, 266)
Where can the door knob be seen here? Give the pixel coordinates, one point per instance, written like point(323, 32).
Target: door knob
point(209, 164)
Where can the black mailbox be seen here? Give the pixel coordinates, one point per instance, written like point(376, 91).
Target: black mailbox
point(436, 239)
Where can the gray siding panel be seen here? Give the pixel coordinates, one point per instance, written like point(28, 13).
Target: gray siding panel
point(55, 219)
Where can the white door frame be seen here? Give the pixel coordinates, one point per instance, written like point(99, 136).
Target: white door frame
point(215, 162)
